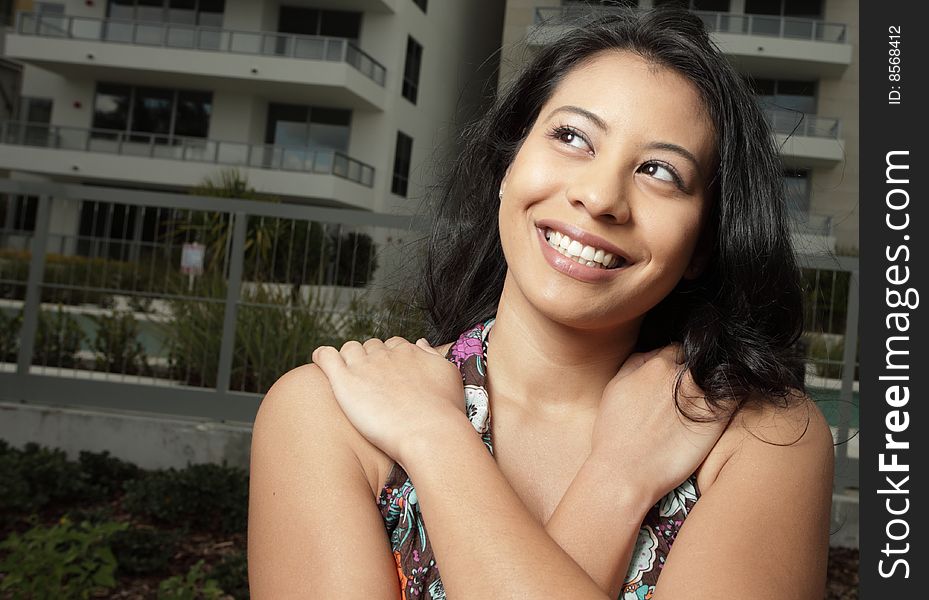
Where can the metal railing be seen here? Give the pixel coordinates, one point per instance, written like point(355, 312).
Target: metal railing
point(192, 149)
point(811, 223)
point(181, 304)
point(192, 37)
point(720, 22)
point(788, 122)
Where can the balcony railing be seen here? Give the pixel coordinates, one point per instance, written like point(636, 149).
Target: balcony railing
point(259, 156)
point(789, 122)
point(721, 22)
point(811, 223)
point(191, 37)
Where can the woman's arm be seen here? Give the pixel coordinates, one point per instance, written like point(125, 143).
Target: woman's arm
point(486, 543)
point(314, 530)
point(597, 522)
point(762, 529)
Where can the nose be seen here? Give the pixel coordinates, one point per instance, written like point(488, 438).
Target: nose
point(603, 193)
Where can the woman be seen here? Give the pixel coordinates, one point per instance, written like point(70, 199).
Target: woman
point(611, 274)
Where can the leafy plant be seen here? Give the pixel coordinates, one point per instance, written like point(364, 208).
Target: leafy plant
point(144, 551)
point(62, 561)
point(59, 338)
point(232, 575)
point(203, 497)
point(35, 477)
point(9, 335)
point(117, 344)
point(194, 586)
point(108, 473)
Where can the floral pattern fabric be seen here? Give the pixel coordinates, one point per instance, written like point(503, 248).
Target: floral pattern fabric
point(416, 567)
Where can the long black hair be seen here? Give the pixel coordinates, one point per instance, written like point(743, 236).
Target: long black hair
point(739, 321)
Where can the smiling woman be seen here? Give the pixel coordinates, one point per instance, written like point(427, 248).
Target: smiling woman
point(609, 404)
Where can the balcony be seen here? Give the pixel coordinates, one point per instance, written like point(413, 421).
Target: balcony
point(806, 140)
point(290, 68)
point(812, 233)
point(762, 45)
point(184, 162)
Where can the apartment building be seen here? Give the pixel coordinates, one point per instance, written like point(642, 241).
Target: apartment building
point(322, 102)
point(801, 56)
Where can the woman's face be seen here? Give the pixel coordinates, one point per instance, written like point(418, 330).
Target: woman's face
point(615, 170)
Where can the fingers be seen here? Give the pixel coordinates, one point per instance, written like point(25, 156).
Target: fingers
point(329, 360)
point(394, 342)
point(424, 344)
point(352, 352)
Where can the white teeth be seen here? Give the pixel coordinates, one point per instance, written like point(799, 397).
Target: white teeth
point(585, 255)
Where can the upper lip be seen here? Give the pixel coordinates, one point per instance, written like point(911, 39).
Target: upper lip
point(578, 234)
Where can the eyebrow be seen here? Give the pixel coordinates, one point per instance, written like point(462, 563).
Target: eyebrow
point(679, 150)
point(600, 123)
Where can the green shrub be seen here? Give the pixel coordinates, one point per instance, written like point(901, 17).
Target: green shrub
point(144, 551)
point(9, 336)
point(117, 344)
point(35, 477)
point(232, 575)
point(59, 338)
point(194, 586)
point(63, 561)
point(203, 497)
point(107, 472)
point(101, 275)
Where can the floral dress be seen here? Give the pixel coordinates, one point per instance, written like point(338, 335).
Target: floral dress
point(416, 566)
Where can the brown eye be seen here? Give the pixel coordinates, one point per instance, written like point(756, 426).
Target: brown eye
point(662, 172)
point(571, 137)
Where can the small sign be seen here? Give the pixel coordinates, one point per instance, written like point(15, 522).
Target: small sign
point(192, 258)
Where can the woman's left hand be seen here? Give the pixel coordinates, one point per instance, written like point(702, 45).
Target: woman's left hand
point(394, 391)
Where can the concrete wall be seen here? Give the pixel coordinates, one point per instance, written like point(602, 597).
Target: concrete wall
point(150, 442)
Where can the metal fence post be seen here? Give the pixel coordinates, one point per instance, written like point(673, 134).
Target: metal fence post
point(849, 355)
point(32, 303)
point(233, 290)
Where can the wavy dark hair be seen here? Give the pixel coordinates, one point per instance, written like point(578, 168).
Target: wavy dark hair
point(739, 321)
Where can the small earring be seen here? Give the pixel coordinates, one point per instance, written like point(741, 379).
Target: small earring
point(500, 195)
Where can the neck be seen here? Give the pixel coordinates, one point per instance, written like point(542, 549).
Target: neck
point(550, 369)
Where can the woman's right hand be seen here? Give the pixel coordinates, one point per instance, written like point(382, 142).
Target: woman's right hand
point(640, 430)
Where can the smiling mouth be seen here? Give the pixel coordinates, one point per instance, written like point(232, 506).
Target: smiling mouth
point(589, 256)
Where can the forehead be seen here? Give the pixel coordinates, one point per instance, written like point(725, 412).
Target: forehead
point(634, 95)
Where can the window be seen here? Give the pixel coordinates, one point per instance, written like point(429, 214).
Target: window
point(797, 190)
point(786, 94)
point(146, 110)
point(34, 110)
point(789, 8)
point(421, 4)
point(208, 13)
point(707, 5)
point(310, 21)
point(402, 156)
point(17, 213)
point(296, 126)
point(414, 57)
point(592, 3)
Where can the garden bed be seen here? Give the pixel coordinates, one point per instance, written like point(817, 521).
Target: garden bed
point(161, 535)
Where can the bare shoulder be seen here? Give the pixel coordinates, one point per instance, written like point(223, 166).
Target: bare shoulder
point(310, 496)
point(301, 404)
point(780, 430)
point(767, 492)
